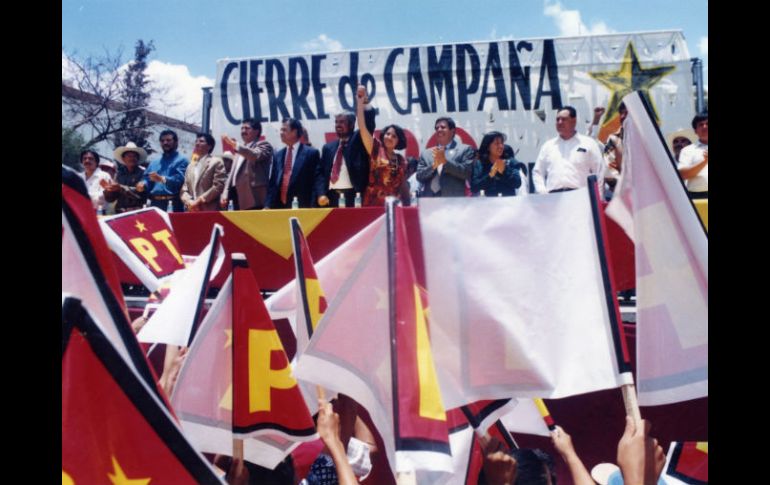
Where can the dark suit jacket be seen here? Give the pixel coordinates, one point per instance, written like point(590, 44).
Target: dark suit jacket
point(303, 170)
point(456, 171)
point(355, 157)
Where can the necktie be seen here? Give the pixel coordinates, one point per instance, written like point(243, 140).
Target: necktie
point(286, 174)
point(435, 184)
point(338, 162)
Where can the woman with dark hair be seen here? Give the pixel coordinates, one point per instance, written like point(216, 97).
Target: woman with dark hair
point(387, 170)
point(492, 172)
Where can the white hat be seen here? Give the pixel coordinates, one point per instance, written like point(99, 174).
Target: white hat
point(686, 133)
point(130, 147)
point(107, 163)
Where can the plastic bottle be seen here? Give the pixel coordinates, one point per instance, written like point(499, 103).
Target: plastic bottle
point(295, 203)
point(482, 193)
point(413, 200)
point(147, 204)
point(358, 199)
point(341, 201)
point(170, 206)
point(230, 206)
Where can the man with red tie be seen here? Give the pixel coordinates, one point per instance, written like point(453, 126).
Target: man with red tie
point(294, 169)
point(344, 166)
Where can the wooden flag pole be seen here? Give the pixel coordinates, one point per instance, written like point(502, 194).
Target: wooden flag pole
point(630, 402)
point(321, 392)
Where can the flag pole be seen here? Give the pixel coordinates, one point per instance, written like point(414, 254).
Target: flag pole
point(622, 356)
point(237, 259)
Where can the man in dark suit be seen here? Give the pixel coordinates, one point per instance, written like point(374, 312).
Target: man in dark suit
point(344, 167)
point(294, 169)
point(443, 169)
point(246, 184)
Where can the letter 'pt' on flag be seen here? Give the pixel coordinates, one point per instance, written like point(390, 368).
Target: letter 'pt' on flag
point(114, 430)
point(351, 352)
point(671, 248)
point(145, 242)
point(518, 303)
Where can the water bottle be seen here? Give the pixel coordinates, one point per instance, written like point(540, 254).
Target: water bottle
point(100, 210)
point(482, 193)
point(413, 200)
point(295, 203)
point(230, 206)
point(358, 199)
point(147, 204)
point(170, 206)
point(341, 201)
point(499, 194)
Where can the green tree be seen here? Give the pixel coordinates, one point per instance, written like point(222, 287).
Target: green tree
point(71, 146)
point(135, 95)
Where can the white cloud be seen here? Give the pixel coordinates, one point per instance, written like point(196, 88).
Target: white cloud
point(495, 36)
point(182, 96)
point(570, 23)
point(322, 43)
point(703, 46)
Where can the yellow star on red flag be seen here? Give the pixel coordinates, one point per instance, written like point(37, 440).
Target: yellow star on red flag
point(140, 226)
point(120, 478)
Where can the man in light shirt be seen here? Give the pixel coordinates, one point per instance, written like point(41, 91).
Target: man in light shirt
point(694, 160)
point(565, 162)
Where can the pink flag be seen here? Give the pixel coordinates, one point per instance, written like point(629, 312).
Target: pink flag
point(671, 247)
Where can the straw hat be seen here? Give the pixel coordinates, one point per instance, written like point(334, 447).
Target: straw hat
point(107, 163)
point(686, 133)
point(130, 147)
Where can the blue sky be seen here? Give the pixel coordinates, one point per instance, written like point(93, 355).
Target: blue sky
point(194, 34)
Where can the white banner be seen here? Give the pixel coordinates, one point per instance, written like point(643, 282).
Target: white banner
point(513, 86)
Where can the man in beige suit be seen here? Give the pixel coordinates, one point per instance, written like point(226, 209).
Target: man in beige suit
point(204, 179)
point(247, 183)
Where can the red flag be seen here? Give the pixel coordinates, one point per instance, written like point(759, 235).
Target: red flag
point(113, 427)
point(145, 242)
point(266, 398)
point(687, 463)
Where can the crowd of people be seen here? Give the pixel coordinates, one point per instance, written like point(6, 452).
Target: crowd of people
point(360, 169)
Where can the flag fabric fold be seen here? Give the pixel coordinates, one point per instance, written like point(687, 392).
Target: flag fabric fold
point(114, 429)
point(671, 251)
point(174, 322)
point(518, 299)
point(373, 345)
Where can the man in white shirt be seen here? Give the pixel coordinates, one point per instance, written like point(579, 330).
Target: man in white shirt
point(694, 160)
point(95, 178)
point(565, 162)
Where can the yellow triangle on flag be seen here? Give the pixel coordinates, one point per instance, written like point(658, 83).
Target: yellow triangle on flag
point(702, 446)
point(271, 227)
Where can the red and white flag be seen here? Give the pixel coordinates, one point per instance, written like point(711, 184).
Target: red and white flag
point(114, 428)
point(372, 344)
point(671, 247)
point(144, 240)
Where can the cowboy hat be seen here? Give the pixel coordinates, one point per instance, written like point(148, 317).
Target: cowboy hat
point(107, 163)
point(130, 147)
point(686, 133)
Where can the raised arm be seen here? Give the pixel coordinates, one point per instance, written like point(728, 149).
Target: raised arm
point(366, 135)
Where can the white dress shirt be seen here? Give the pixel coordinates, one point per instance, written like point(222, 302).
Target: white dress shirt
point(690, 156)
point(566, 164)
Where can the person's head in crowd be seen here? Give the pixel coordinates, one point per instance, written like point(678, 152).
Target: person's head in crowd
point(251, 130)
point(204, 144)
point(344, 124)
point(566, 120)
point(89, 159)
point(131, 155)
point(392, 138)
point(507, 152)
point(492, 146)
point(533, 467)
point(168, 141)
point(108, 166)
point(445, 130)
point(700, 123)
point(291, 131)
point(680, 139)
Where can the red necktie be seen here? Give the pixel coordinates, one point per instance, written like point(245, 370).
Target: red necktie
point(338, 162)
point(286, 175)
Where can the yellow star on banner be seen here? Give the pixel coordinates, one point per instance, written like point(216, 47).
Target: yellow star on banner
point(229, 341)
point(271, 228)
point(120, 478)
point(140, 226)
point(629, 78)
